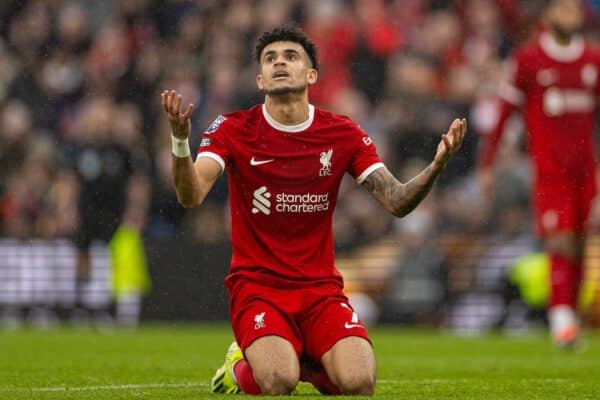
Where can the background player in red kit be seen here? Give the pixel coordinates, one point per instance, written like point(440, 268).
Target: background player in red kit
point(555, 81)
point(285, 160)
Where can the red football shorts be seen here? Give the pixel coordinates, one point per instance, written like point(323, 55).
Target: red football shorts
point(311, 319)
point(563, 204)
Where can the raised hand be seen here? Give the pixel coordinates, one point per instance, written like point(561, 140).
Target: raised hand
point(451, 141)
point(181, 126)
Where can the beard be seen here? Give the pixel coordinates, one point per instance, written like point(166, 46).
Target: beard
point(564, 34)
point(285, 90)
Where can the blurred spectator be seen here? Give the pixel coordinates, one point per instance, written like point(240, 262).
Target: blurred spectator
point(130, 279)
point(16, 124)
point(479, 300)
point(328, 24)
point(417, 289)
point(377, 40)
point(106, 154)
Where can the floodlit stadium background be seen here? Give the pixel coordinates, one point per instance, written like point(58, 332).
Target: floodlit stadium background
point(72, 71)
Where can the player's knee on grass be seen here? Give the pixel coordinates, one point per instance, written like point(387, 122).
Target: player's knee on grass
point(274, 364)
point(280, 377)
point(276, 383)
point(357, 381)
point(350, 364)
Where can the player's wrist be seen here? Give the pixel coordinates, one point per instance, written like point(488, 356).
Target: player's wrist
point(180, 147)
point(438, 165)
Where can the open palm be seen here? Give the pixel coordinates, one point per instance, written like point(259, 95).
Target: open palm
point(451, 141)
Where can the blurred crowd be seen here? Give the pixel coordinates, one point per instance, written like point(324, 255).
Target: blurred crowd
point(77, 75)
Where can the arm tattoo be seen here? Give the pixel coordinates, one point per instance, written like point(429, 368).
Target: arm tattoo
point(385, 188)
point(400, 198)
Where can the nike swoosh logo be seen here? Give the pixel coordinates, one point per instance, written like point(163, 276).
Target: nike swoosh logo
point(254, 163)
point(350, 326)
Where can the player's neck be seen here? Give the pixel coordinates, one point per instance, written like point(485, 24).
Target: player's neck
point(287, 111)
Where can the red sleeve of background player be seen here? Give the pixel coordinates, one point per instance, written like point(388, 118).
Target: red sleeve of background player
point(364, 157)
point(512, 92)
point(214, 144)
point(597, 70)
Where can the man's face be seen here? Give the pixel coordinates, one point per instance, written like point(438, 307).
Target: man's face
point(565, 16)
point(285, 68)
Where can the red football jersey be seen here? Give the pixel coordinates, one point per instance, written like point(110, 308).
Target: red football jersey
point(283, 187)
point(557, 88)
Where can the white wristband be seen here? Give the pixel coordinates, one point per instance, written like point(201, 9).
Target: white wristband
point(180, 147)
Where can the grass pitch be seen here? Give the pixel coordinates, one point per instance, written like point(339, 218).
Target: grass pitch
point(177, 362)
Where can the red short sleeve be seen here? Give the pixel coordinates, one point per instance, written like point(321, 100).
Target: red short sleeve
point(214, 142)
point(364, 158)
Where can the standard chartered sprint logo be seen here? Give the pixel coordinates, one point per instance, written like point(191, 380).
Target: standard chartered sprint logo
point(288, 203)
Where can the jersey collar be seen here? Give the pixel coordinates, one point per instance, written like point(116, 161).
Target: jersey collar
point(290, 128)
point(568, 53)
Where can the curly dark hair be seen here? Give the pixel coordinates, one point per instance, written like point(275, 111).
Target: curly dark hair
point(287, 33)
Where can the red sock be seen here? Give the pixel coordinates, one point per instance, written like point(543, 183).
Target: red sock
point(565, 278)
point(245, 378)
point(319, 379)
